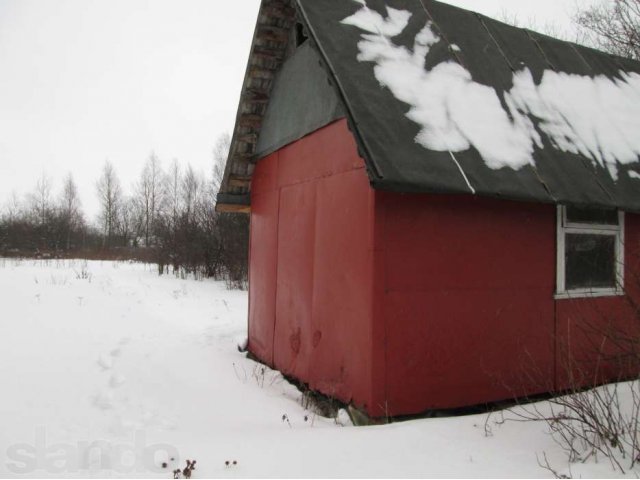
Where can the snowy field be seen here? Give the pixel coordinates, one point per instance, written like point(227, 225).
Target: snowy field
point(108, 370)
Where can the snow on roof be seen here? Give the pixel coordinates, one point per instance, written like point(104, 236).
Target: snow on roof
point(444, 100)
point(597, 117)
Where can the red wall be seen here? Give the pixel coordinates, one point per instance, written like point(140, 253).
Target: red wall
point(311, 264)
point(465, 295)
point(403, 303)
point(592, 331)
point(466, 300)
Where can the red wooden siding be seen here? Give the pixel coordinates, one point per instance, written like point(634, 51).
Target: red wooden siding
point(263, 253)
point(468, 307)
point(468, 304)
point(311, 255)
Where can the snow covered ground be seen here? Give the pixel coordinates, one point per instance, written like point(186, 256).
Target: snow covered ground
point(108, 370)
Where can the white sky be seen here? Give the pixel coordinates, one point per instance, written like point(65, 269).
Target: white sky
point(82, 81)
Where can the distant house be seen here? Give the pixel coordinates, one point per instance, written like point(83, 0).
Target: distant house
point(443, 207)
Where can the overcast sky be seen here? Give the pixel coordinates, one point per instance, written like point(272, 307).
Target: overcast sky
point(82, 81)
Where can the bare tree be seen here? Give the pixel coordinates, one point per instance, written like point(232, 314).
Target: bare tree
point(613, 26)
point(190, 189)
point(13, 207)
point(173, 182)
point(70, 209)
point(41, 199)
point(128, 224)
point(110, 197)
point(220, 153)
point(149, 193)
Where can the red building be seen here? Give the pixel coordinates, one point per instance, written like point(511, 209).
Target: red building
point(441, 205)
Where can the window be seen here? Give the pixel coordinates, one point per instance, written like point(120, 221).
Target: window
point(590, 252)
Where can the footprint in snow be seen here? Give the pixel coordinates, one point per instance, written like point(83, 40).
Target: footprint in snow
point(105, 361)
point(117, 380)
point(153, 420)
point(103, 401)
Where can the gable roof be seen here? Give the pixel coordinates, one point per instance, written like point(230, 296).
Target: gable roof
point(445, 100)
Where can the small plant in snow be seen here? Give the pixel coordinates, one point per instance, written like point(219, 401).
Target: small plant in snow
point(259, 374)
point(186, 471)
point(547, 466)
point(83, 273)
point(285, 418)
point(191, 466)
point(243, 345)
point(591, 424)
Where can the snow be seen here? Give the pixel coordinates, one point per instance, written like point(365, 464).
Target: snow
point(110, 358)
point(596, 117)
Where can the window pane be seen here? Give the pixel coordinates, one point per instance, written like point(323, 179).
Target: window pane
point(590, 261)
point(592, 216)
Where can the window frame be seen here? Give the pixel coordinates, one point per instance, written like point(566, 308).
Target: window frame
point(563, 228)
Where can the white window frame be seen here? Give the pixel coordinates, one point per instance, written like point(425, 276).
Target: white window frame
point(564, 227)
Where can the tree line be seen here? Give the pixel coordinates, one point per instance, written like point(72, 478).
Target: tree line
point(168, 217)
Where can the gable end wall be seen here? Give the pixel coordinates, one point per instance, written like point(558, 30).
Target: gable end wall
point(311, 264)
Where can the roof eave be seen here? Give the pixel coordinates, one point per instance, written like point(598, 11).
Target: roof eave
point(268, 51)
